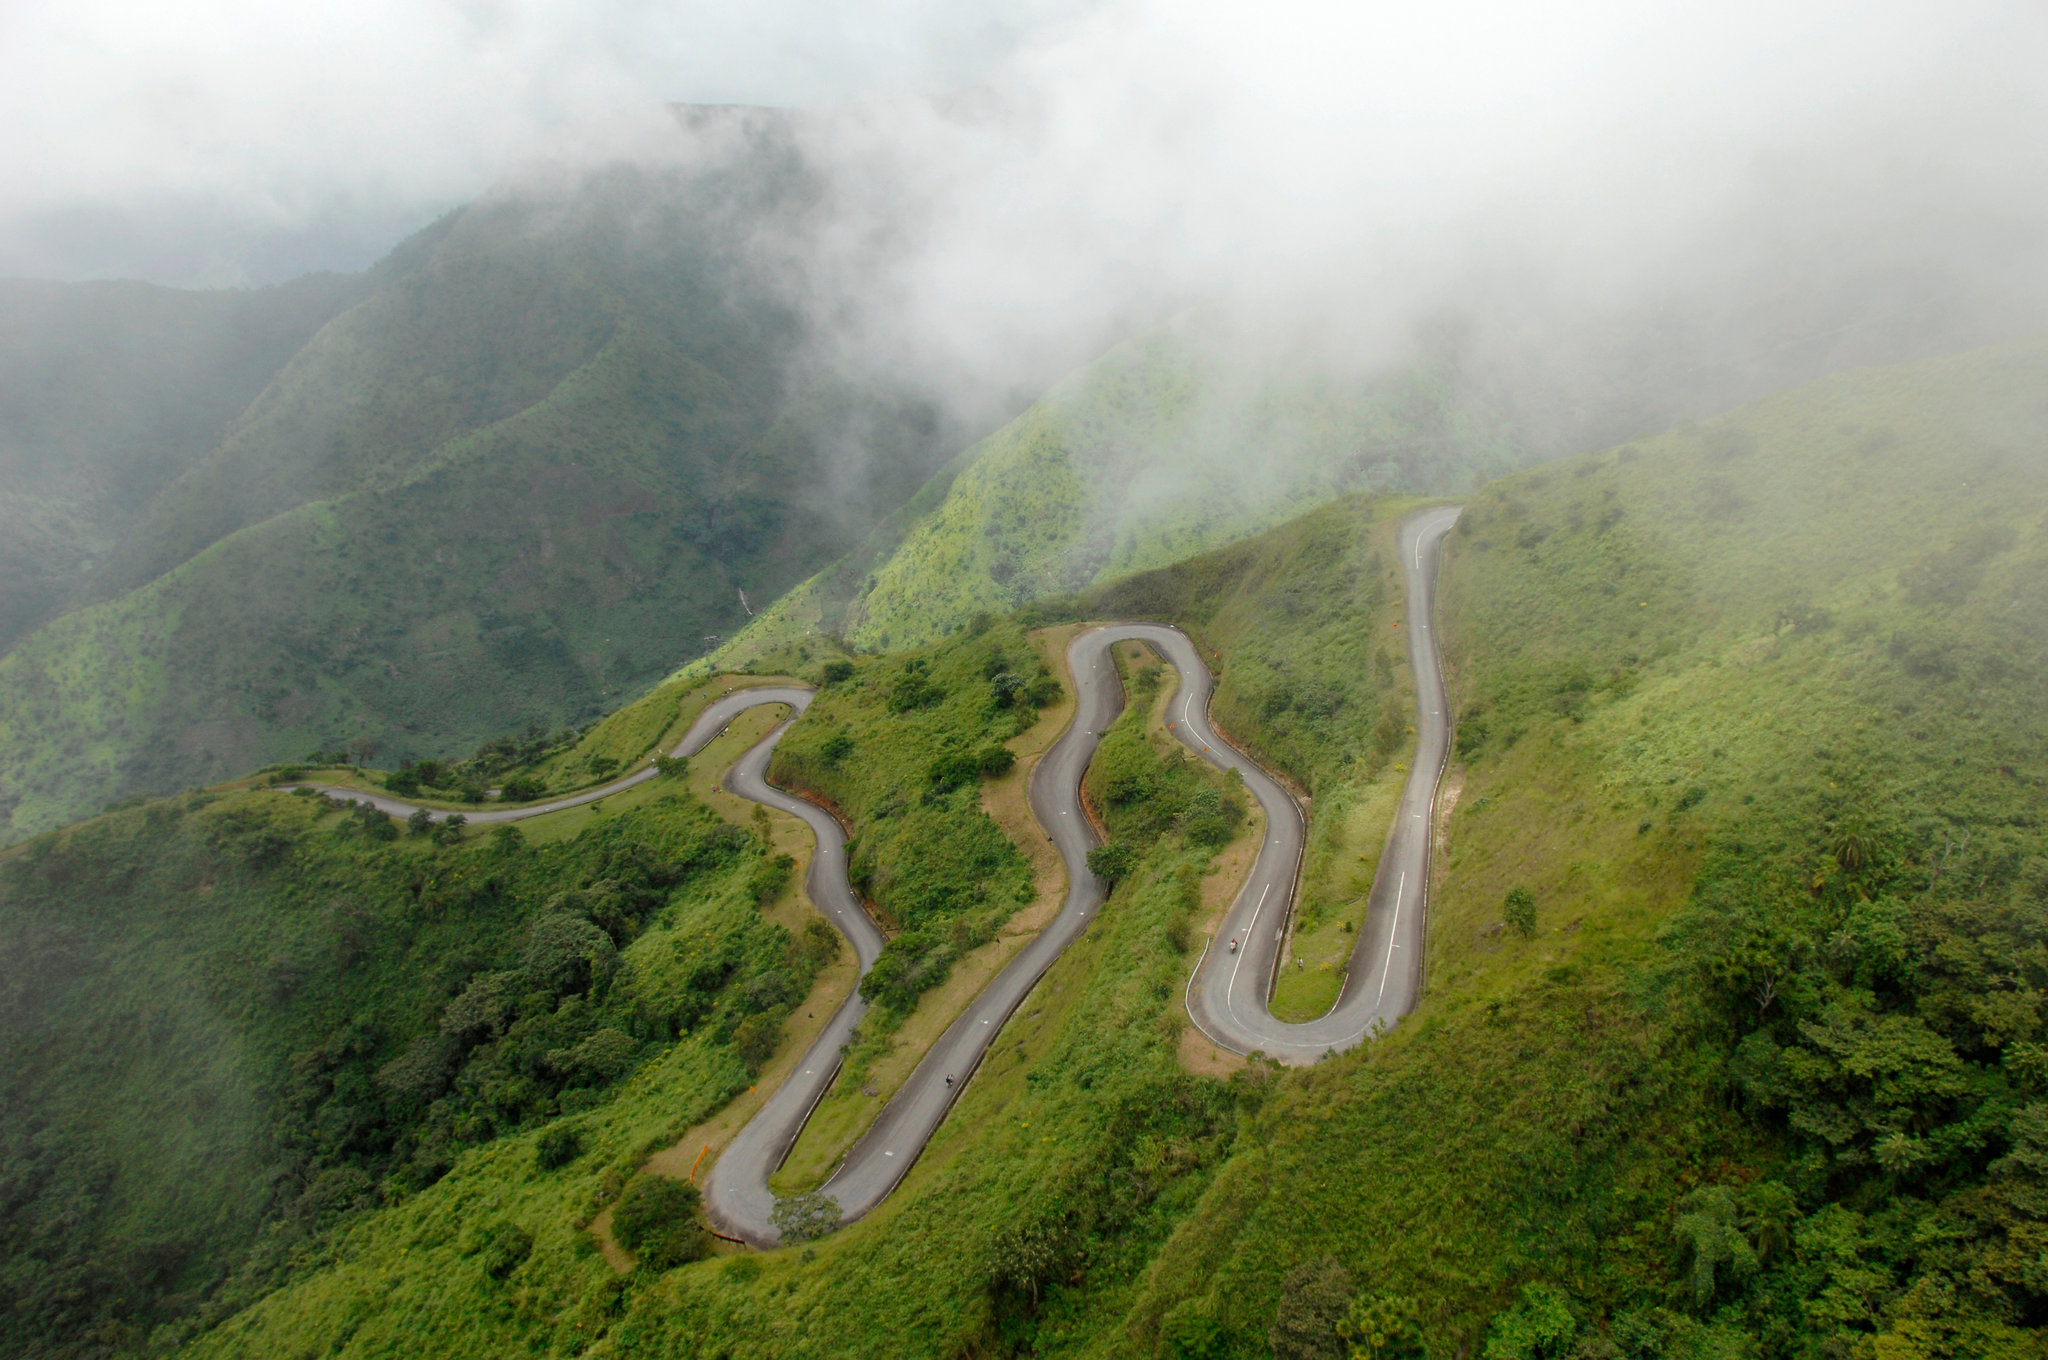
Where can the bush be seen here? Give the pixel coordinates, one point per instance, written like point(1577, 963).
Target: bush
point(835, 673)
point(805, 1218)
point(1540, 1327)
point(1315, 1300)
point(603, 1056)
point(767, 880)
point(521, 788)
point(836, 747)
point(1112, 863)
point(420, 823)
point(952, 771)
point(557, 1146)
point(671, 767)
point(1519, 911)
point(565, 953)
point(914, 691)
point(373, 823)
point(756, 1038)
point(501, 1247)
point(909, 965)
point(656, 1220)
point(995, 761)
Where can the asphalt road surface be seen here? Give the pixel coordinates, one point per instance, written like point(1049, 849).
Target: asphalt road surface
point(1228, 992)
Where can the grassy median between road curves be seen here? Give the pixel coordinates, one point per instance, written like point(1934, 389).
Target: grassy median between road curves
point(1752, 1064)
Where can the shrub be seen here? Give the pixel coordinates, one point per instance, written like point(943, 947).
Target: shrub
point(756, 1038)
point(565, 953)
point(603, 1056)
point(835, 673)
point(908, 965)
point(1384, 1327)
point(656, 1220)
point(836, 747)
point(420, 823)
point(521, 788)
point(1112, 863)
point(1540, 1327)
point(952, 771)
point(1519, 911)
point(914, 691)
point(995, 761)
point(373, 823)
point(500, 1248)
point(1315, 1299)
point(767, 880)
point(805, 1218)
point(671, 767)
point(557, 1146)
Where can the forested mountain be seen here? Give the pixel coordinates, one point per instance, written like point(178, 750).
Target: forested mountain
point(529, 471)
point(1731, 1044)
point(108, 391)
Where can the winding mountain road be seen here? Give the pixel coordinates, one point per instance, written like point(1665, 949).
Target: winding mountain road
point(1228, 992)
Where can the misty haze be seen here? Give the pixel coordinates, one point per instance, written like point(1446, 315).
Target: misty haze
point(1086, 679)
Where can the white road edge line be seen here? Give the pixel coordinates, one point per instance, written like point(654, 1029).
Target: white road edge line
point(1392, 935)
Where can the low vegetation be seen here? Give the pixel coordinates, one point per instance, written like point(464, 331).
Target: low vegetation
point(239, 1023)
point(900, 746)
point(1731, 1045)
point(1753, 770)
point(531, 469)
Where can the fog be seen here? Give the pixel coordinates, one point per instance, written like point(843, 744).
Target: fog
point(1619, 198)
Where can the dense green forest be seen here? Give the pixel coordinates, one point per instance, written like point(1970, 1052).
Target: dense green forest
point(241, 1020)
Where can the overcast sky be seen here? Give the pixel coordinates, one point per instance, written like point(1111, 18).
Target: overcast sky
point(226, 141)
point(223, 140)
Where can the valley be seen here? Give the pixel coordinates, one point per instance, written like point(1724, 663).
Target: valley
point(1731, 918)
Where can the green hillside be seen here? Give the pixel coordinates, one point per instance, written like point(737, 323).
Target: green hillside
point(1162, 449)
point(108, 391)
point(1081, 1141)
point(521, 480)
point(1750, 718)
point(1753, 711)
point(242, 1020)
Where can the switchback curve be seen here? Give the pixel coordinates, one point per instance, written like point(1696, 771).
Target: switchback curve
point(1229, 1005)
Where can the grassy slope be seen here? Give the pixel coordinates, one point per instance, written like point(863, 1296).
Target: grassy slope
point(107, 392)
point(1137, 461)
point(1133, 462)
point(1546, 1113)
point(199, 1049)
point(516, 483)
point(1688, 669)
